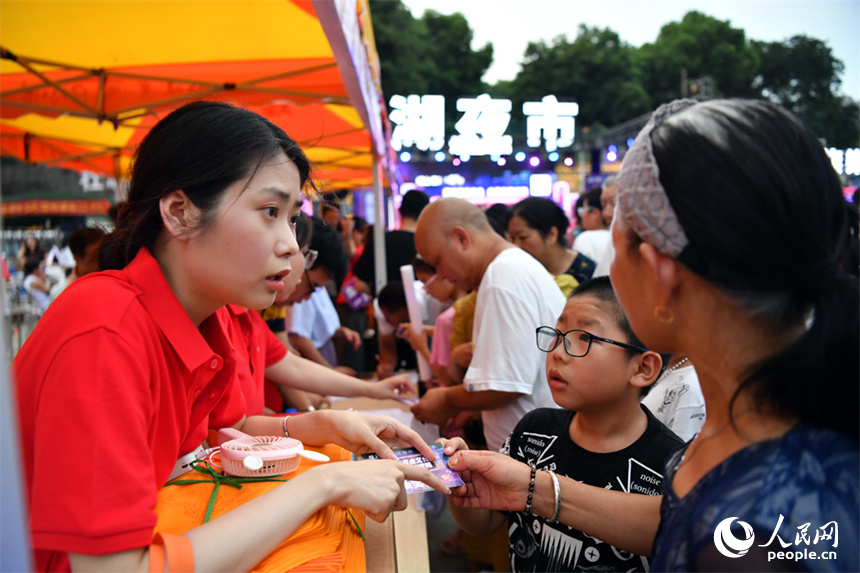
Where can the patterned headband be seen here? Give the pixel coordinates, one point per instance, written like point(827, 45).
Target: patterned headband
point(642, 202)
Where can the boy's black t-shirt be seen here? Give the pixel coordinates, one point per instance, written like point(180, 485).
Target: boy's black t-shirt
point(542, 438)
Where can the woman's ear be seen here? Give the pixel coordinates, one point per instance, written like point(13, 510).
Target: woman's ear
point(179, 214)
point(665, 270)
point(552, 236)
point(649, 368)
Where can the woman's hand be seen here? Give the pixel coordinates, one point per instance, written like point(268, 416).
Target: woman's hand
point(374, 486)
point(394, 387)
point(493, 481)
point(452, 445)
point(365, 433)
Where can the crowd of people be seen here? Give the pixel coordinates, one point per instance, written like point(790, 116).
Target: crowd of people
point(682, 365)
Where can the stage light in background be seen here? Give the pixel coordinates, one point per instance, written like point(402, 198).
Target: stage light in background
point(568, 161)
point(502, 162)
point(540, 184)
point(439, 157)
point(456, 161)
point(520, 156)
point(405, 157)
point(534, 160)
point(630, 141)
point(611, 153)
point(553, 156)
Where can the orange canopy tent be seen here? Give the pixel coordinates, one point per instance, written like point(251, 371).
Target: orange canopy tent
point(82, 81)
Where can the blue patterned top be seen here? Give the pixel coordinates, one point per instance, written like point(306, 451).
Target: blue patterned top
point(796, 495)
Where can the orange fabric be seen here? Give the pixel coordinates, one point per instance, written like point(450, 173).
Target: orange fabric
point(178, 550)
point(328, 541)
point(156, 558)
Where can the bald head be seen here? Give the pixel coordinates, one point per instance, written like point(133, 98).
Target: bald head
point(445, 214)
point(455, 237)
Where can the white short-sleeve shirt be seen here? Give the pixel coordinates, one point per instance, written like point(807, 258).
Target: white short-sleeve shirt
point(516, 295)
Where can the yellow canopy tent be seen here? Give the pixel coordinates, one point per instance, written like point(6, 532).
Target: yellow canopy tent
point(82, 81)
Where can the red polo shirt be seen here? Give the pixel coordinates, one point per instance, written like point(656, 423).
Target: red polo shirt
point(257, 347)
point(113, 385)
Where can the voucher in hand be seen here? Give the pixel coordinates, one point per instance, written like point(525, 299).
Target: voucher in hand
point(439, 468)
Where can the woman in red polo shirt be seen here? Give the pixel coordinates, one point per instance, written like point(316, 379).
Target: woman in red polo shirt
point(128, 370)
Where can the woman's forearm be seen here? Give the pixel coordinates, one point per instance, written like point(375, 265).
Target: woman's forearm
point(625, 520)
point(297, 372)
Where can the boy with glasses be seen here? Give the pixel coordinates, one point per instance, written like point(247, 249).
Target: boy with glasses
point(597, 371)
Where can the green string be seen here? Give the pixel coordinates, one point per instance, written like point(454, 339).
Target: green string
point(218, 478)
point(222, 477)
point(357, 526)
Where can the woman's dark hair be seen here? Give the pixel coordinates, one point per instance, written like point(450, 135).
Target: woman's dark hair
point(201, 148)
point(767, 224)
point(83, 238)
point(304, 230)
point(361, 224)
point(498, 214)
point(542, 215)
point(326, 241)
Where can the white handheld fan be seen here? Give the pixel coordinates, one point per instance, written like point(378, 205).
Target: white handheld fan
point(261, 456)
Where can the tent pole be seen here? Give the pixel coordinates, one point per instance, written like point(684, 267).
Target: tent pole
point(379, 225)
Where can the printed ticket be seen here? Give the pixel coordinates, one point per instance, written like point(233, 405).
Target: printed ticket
point(439, 468)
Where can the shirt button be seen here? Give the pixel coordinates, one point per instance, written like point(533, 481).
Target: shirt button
point(214, 364)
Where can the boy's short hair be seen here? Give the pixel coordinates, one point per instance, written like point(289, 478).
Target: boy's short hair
point(601, 289)
point(392, 297)
point(30, 266)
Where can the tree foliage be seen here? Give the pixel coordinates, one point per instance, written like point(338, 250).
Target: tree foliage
point(596, 70)
point(802, 75)
point(401, 43)
point(703, 46)
point(430, 55)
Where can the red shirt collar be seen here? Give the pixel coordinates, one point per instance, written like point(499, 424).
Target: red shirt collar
point(194, 349)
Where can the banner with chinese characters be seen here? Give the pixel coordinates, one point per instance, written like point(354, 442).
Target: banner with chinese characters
point(55, 207)
point(481, 130)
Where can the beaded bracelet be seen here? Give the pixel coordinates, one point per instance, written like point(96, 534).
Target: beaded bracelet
point(286, 433)
point(557, 490)
point(531, 490)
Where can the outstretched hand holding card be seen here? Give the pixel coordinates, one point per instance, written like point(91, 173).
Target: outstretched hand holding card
point(440, 467)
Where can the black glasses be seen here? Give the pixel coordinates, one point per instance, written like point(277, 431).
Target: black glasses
point(311, 258)
point(577, 343)
point(583, 210)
